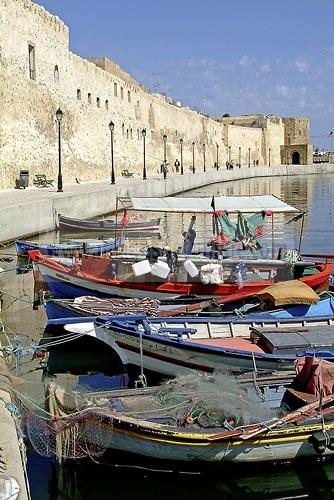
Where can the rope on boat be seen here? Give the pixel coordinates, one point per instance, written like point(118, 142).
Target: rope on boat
point(142, 381)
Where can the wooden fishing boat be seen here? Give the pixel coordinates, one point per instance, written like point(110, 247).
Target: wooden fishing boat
point(70, 225)
point(190, 421)
point(299, 301)
point(70, 248)
point(108, 277)
point(173, 346)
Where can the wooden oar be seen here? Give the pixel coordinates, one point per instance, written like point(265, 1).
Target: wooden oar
point(290, 418)
point(252, 430)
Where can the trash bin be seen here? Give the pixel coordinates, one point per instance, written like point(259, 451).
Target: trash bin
point(24, 178)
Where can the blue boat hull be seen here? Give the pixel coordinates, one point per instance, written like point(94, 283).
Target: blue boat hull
point(67, 250)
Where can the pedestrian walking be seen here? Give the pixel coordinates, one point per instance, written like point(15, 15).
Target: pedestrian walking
point(177, 166)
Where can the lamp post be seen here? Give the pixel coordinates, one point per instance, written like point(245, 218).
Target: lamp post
point(217, 149)
point(59, 116)
point(181, 155)
point(111, 128)
point(229, 154)
point(143, 133)
point(165, 147)
point(269, 157)
point(287, 149)
point(248, 157)
point(193, 144)
point(239, 156)
point(204, 169)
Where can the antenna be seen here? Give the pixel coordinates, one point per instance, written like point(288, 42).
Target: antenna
point(157, 83)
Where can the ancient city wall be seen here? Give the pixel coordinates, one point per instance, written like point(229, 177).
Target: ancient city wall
point(91, 94)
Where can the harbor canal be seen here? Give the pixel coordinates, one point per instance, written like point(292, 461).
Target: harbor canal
point(81, 481)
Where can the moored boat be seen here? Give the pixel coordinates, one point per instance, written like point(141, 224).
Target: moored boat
point(192, 420)
point(173, 346)
point(70, 248)
point(111, 277)
point(70, 225)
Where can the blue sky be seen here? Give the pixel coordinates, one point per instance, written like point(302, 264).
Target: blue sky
point(242, 57)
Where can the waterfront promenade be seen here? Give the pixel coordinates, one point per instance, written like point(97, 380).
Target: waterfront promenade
point(30, 211)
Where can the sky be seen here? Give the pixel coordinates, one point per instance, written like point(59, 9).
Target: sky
point(218, 56)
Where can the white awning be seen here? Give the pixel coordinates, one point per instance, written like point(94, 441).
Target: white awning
point(245, 204)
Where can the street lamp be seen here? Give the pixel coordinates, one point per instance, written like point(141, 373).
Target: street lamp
point(181, 155)
point(193, 144)
point(165, 143)
point(204, 170)
point(269, 157)
point(143, 133)
point(239, 156)
point(229, 155)
point(217, 149)
point(111, 128)
point(59, 116)
point(248, 157)
point(287, 149)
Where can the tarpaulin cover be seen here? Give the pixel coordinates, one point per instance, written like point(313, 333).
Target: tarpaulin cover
point(314, 376)
point(244, 204)
point(288, 292)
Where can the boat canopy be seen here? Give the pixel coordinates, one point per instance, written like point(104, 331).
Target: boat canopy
point(244, 204)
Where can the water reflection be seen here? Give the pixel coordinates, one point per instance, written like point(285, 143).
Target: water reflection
point(90, 480)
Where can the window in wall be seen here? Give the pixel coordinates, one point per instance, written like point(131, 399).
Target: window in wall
point(98, 102)
point(107, 104)
point(130, 133)
point(89, 98)
point(129, 96)
point(56, 74)
point(79, 94)
point(32, 62)
point(115, 89)
point(122, 93)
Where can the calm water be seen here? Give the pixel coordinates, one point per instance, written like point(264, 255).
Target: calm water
point(82, 481)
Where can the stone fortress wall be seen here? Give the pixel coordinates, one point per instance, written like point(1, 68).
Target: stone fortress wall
point(39, 75)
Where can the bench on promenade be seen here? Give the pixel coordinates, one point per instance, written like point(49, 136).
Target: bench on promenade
point(126, 173)
point(40, 180)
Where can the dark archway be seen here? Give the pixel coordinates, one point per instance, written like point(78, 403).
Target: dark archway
point(295, 158)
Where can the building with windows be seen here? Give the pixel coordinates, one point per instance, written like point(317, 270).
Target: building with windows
point(39, 74)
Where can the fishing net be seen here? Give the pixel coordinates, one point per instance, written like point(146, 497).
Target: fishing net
point(212, 400)
point(96, 307)
point(66, 438)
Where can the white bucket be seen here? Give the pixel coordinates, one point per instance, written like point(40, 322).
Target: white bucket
point(160, 269)
point(142, 267)
point(190, 268)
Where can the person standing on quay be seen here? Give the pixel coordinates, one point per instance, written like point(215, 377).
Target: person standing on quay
point(164, 168)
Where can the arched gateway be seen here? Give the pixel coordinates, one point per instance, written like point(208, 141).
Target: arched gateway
point(295, 158)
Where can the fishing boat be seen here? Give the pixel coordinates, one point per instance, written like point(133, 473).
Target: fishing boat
point(174, 345)
point(289, 299)
point(214, 278)
point(70, 248)
point(198, 421)
point(70, 225)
